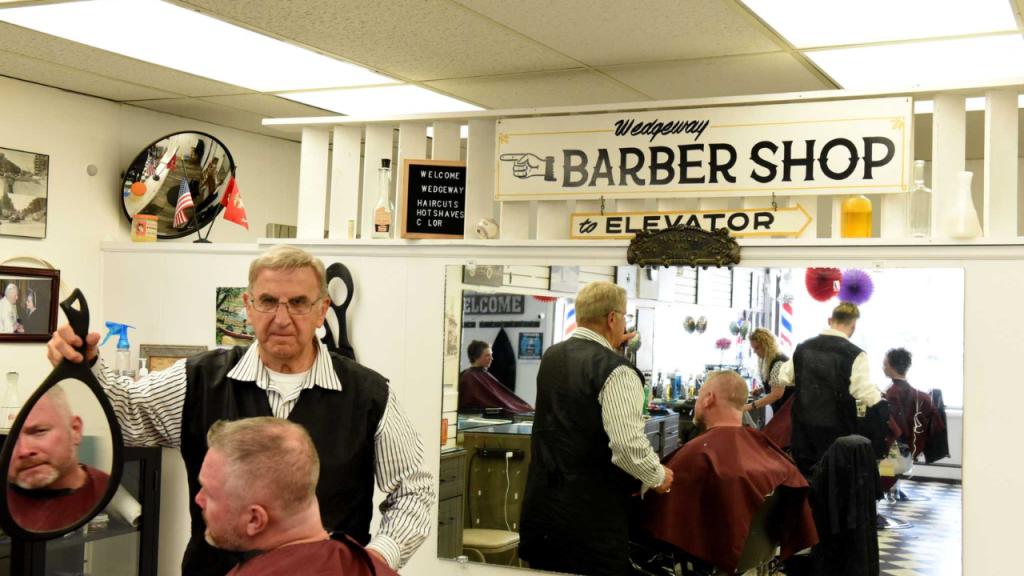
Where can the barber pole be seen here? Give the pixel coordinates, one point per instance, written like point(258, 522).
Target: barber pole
point(786, 326)
point(570, 320)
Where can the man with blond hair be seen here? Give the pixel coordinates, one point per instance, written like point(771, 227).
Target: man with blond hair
point(722, 478)
point(350, 412)
point(258, 496)
point(589, 450)
point(832, 379)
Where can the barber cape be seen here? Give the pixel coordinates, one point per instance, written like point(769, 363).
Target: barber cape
point(721, 479)
point(478, 389)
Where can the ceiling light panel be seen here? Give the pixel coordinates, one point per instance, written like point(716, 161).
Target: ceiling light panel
point(171, 36)
point(382, 101)
point(463, 132)
point(810, 23)
point(970, 60)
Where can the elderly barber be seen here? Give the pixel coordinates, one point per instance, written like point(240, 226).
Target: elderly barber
point(589, 450)
point(352, 415)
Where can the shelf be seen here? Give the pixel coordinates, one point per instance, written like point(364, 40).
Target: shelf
point(77, 539)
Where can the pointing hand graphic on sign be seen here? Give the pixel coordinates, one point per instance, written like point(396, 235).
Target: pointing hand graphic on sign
point(529, 166)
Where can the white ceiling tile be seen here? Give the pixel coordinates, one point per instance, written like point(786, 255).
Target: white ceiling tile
point(577, 87)
point(214, 114)
point(269, 106)
point(414, 39)
point(60, 51)
point(741, 75)
point(604, 32)
point(23, 68)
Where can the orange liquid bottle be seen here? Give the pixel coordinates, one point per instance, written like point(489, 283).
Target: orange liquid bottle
point(856, 218)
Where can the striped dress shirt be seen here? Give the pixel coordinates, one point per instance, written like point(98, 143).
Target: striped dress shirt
point(622, 400)
point(150, 410)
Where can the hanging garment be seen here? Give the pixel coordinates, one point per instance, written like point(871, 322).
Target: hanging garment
point(937, 446)
point(780, 428)
point(503, 365)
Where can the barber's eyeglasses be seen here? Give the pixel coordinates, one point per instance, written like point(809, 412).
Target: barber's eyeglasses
point(295, 306)
point(627, 317)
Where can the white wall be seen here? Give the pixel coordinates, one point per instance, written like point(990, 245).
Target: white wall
point(398, 311)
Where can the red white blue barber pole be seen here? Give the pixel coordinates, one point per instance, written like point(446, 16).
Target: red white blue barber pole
point(786, 326)
point(570, 320)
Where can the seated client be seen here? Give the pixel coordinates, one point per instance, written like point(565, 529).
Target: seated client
point(721, 479)
point(478, 389)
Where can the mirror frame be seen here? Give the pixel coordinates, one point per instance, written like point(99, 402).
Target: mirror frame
point(64, 371)
point(215, 212)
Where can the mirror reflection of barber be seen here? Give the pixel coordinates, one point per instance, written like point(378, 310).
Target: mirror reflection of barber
point(589, 449)
point(47, 487)
point(361, 430)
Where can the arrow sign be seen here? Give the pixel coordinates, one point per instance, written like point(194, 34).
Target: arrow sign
point(746, 223)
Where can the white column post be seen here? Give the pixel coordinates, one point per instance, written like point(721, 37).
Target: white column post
point(480, 150)
point(515, 221)
point(552, 220)
point(344, 221)
point(312, 183)
point(949, 133)
point(446, 142)
point(1001, 164)
point(412, 144)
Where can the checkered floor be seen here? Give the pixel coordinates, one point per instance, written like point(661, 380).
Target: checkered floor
point(932, 547)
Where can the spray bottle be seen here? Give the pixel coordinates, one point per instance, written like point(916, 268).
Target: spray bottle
point(124, 349)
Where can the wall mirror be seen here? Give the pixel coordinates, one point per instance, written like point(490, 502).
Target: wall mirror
point(153, 181)
point(495, 337)
point(63, 454)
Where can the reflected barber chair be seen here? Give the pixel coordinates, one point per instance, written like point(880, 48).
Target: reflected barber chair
point(652, 557)
point(485, 544)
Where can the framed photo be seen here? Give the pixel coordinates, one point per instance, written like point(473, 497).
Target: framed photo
point(531, 345)
point(28, 303)
point(161, 356)
point(24, 192)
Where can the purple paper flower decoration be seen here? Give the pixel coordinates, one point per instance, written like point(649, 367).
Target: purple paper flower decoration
point(857, 287)
point(723, 343)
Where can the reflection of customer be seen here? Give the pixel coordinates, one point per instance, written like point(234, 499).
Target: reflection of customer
point(258, 494)
point(47, 488)
point(9, 311)
point(589, 450)
point(478, 389)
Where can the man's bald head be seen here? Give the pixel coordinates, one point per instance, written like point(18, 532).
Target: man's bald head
point(728, 386)
point(721, 399)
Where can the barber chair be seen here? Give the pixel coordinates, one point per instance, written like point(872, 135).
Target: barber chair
point(651, 557)
point(481, 543)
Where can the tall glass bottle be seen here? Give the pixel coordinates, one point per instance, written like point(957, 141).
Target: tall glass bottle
point(919, 205)
point(383, 213)
point(856, 218)
point(963, 221)
point(11, 406)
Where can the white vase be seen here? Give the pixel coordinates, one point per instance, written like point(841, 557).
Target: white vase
point(962, 221)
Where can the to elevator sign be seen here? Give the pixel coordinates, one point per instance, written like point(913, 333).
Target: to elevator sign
point(751, 222)
point(842, 147)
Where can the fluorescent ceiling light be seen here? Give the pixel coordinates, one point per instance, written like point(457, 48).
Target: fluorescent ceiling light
point(970, 104)
point(463, 132)
point(807, 23)
point(970, 60)
point(171, 36)
point(385, 100)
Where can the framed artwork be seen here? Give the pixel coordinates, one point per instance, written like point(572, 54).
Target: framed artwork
point(28, 303)
point(161, 356)
point(24, 190)
point(233, 328)
point(531, 345)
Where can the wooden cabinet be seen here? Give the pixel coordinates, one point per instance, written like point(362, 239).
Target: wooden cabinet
point(451, 487)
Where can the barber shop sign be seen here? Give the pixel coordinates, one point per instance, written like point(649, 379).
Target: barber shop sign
point(842, 147)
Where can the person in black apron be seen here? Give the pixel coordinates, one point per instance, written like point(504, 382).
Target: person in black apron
point(359, 428)
point(771, 361)
point(589, 451)
point(831, 377)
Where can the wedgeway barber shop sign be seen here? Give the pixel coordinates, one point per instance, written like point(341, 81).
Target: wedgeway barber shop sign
point(751, 222)
point(843, 147)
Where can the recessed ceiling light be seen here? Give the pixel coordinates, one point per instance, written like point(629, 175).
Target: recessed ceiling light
point(807, 23)
point(969, 60)
point(463, 132)
point(384, 100)
point(172, 36)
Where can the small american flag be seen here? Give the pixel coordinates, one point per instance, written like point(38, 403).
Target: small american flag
point(184, 201)
point(150, 165)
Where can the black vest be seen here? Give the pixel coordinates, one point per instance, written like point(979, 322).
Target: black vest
point(787, 393)
point(576, 502)
point(342, 425)
point(823, 409)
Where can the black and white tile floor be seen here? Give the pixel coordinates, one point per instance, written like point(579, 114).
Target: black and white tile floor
point(932, 547)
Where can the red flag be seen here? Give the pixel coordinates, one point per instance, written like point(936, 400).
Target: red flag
point(173, 163)
point(234, 210)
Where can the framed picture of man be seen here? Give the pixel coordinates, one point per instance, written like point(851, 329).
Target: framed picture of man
point(28, 303)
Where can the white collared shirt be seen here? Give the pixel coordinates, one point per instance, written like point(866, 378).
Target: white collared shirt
point(861, 388)
point(150, 413)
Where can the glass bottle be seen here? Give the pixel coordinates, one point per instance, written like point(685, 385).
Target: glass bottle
point(919, 205)
point(11, 406)
point(963, 221)
point(856, 218)
point(383, 213)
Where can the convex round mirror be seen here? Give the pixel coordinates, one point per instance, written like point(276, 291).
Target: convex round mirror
point(152, 183)
point(63, 456)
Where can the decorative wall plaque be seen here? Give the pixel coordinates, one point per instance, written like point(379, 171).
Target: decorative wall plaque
point(684, 246)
